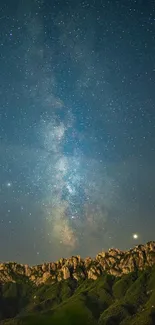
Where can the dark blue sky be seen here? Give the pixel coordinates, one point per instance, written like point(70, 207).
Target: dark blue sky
point(77, 127)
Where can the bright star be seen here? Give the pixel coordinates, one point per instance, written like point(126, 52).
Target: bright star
point(9, 184)
point(135, 236)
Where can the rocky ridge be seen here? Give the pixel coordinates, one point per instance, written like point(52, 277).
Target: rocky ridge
point(114, 262)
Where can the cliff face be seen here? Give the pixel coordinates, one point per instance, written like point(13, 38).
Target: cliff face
point(114, 262)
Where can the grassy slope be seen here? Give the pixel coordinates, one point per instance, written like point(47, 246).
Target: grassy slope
point(106, 301)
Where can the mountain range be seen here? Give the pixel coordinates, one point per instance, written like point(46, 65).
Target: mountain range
point(114, 288)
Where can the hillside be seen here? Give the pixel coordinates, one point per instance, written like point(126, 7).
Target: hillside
point(115, 288)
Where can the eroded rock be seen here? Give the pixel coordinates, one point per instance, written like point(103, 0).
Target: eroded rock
point(114, 262)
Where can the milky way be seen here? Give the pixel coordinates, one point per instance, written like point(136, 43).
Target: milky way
point(77, 127)
point(75, 199)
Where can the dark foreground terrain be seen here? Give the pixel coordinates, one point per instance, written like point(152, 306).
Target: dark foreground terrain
point(86, 293)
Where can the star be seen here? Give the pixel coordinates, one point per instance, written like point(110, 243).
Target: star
point(135, 236)
point(9, 184)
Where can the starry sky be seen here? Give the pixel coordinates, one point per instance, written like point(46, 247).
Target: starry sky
point(77, 127)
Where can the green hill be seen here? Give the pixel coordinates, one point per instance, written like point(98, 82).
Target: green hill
point(114, 288)
point(109, 300)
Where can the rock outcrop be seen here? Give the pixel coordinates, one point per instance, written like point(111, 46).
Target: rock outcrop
point(114, 262)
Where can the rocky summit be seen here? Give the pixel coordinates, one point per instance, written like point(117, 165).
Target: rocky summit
point(114, 262)
point(114, 288)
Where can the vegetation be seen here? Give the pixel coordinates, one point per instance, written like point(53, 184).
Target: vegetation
point(129, 300)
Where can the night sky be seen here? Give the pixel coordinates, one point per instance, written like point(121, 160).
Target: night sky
point(77, 127)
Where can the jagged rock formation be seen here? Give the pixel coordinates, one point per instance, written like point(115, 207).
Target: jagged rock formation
point(114, 262)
